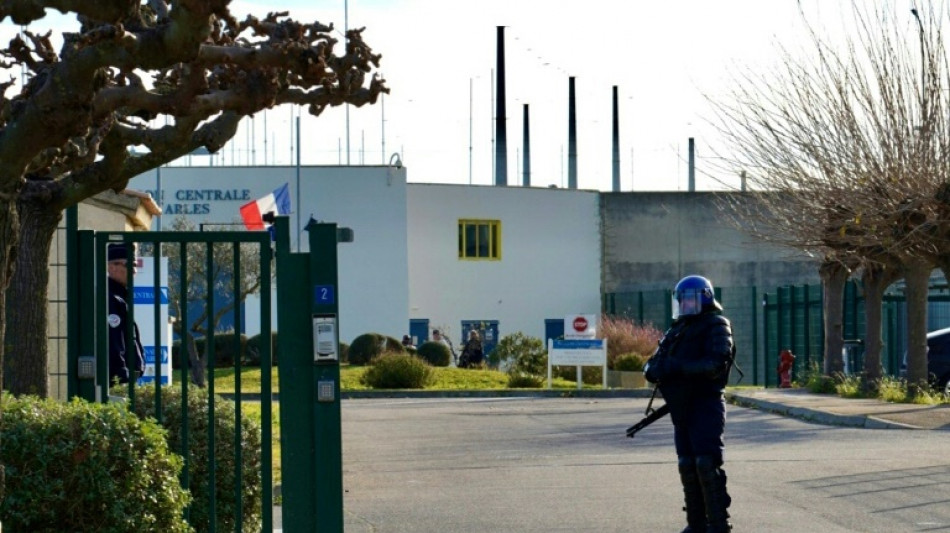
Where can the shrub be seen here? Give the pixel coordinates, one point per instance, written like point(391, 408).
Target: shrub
point(344, 352)
point(629, 362)
point(82, 466)
point(520, 353)
point(224, 350)
point(397, 370)
point(253, 349)
point(817, 382)
point(626, 336)
point(520, 380)
point(591, 375)
point(369, 346)
point(224, 451)
point(435, 353)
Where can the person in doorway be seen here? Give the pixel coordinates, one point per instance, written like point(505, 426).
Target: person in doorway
point(407, 342)
point(691, 368)
point(437, 336)
point(472, 355)
point(123, 360)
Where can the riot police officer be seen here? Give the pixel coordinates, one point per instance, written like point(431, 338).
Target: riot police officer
point(691, 368)
point(122, 359)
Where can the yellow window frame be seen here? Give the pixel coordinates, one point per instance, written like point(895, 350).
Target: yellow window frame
point(479, 240)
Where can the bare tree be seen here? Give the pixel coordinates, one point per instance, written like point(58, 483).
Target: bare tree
point(67, 135)
point(849, 141)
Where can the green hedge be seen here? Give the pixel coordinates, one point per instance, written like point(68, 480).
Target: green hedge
point(199, 459)
point(82, 466)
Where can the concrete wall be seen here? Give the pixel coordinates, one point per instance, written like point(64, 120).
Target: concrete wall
point(652, 239)
point(549, 265)
point(373, 294)
point(108, 211)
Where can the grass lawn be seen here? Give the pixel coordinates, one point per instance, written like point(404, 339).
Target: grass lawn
point(446, 378)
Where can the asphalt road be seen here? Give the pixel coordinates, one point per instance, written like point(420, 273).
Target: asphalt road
point(559, 464)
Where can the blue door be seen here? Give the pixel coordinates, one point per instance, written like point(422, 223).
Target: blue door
point(487, 331)
point(419, 330)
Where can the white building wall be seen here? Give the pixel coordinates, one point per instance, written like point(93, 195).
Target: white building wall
point(373, 291)
point(550, 257)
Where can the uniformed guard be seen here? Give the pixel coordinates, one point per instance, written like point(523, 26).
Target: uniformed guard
point(691, 368)
point(119, 300)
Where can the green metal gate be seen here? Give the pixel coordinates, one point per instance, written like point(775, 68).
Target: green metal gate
point(310, 417)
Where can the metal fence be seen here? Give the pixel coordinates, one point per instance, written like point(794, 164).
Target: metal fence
point(766, 321)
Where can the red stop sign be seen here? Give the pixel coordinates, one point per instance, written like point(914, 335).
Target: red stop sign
point(580, 324)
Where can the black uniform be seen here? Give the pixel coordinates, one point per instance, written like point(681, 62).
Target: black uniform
point(119, 356)
point(691, 367)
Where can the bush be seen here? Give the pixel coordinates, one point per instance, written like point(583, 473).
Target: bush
point(224, 450)
point(397, 370)
point(816, 382)
point(520, 380)
point(591, 375)
point(82, 466)
point(434, 353)
point(369, 346)
point(224, 350)
point(344, 352)
point(253, 350)
point(629, 362)
point(626, 336)
point(520, 353)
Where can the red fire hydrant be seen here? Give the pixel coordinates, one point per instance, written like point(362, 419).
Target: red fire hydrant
point(785, 362)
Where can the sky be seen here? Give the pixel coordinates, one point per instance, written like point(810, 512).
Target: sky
point(667, 59)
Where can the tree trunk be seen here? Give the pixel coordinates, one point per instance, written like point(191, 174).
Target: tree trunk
point(834, 275)
point(26, 364)
point(917, 278)
point(9, 236)
point(876, 280)
point(197, 367)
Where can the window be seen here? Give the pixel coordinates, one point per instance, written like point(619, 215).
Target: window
point(480, 239)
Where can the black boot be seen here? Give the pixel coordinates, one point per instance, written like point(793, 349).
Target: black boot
point(693, 491)
point(713, 482)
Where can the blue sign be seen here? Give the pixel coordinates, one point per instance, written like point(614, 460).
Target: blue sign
point(150, 355)
point(146, 295)
point(578, 344)
point(324, 295)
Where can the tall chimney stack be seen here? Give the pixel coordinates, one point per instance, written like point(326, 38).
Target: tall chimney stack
point(571, 136)
point(527, 149)
point(501, 136)
point(616, 142)
point(692, 164)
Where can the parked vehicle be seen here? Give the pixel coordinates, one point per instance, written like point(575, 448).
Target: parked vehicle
point(938, 359)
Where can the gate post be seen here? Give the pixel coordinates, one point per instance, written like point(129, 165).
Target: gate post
point(309, 368)
point(326, 376)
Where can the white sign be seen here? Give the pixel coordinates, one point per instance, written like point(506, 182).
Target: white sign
point(580, 326)
point(577, 352)
point(144, 298)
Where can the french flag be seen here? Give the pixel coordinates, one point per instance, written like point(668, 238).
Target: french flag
point(277, 202)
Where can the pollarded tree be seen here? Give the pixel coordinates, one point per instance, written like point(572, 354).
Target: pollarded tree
point(68, 134)
point(850, 142)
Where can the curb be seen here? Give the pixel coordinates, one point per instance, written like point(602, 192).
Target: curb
point(812, 415)
point(492, 393)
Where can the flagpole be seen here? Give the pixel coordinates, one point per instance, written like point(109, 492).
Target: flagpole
point(298, 184)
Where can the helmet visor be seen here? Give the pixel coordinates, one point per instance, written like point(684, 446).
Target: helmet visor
point(687, 302)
